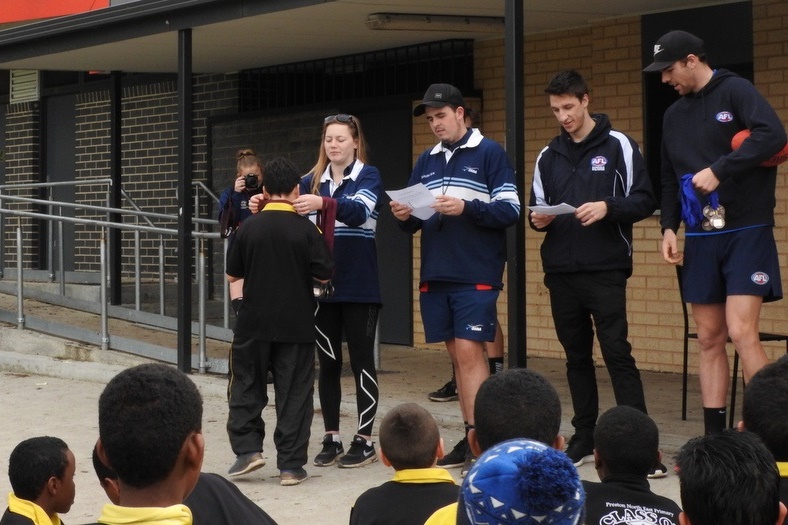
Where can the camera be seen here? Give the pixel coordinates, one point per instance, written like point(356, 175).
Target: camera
point(251, 182)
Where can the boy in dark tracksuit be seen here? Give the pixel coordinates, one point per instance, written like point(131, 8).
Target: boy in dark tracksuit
point(587, 256)
point(278, 253)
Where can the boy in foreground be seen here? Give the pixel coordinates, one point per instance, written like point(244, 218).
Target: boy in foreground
point(626, 447)
point(41, 471)
point(150, 433)
point(410, 443)
point(728, 477)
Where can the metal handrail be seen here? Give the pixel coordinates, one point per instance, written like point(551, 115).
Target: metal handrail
point(21, 185)
point(200, 184)
point(104, 225)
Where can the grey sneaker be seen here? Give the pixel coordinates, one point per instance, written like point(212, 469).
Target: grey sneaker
point(331, 451)
point(291, 477)
point(359, 454)
point(246, 463)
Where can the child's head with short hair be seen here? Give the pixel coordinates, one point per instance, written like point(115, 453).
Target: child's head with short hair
point(409, 438)
point(281, 177)
point(150, 427)
point(522, 481)
point(108, 478)
point(729, 477)
point(626, 442)
point(518, 403)
point(765, 407)
point(41, 470)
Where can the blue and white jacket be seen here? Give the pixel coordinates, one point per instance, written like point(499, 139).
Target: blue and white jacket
point(355, 254)
point(468, 249)
point(608, 167)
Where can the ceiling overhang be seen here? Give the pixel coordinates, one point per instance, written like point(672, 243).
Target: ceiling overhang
point(231, 35)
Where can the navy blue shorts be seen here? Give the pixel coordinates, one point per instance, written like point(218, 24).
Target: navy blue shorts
point(464, 314)
point(742, 262)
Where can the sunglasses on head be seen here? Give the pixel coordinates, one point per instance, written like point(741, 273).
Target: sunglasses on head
point(342, 118)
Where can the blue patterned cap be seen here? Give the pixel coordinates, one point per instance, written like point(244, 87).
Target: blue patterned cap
point(524, 482)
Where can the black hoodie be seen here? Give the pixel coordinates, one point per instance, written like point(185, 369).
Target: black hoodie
point(697, 133)
point(606, 165)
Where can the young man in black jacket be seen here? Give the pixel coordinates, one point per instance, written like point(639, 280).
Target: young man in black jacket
point(731, 264)
point(587, 254)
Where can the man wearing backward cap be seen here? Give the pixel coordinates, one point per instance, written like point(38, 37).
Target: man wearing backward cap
point(726, 199)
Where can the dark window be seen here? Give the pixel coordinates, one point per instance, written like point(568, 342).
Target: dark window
point(5, 86)
point(398, 71)
point(726, 31)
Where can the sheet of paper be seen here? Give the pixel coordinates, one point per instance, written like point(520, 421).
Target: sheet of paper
point(558, 209)
point(416, 197)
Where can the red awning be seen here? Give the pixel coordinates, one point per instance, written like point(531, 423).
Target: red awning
point(15, 11)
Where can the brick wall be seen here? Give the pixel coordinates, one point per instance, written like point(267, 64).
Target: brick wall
point(21, 165)
point(770, 50)
point(149, 162)
point(608, 55)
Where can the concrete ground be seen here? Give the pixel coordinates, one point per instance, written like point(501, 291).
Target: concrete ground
point(49, 395)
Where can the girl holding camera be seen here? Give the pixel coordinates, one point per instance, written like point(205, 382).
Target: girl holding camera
point(234, 202)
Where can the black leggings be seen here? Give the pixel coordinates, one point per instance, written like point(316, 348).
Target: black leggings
point(358, 321)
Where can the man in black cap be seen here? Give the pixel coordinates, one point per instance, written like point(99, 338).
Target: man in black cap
point(726, 198)
point(463, 244)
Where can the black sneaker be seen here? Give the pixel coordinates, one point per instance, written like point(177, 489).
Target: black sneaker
point(246, 463)
point(580, 449)
point(456, 458)
point(359, 454)
point(659, 471)
point(447, 392)
point(331, 451)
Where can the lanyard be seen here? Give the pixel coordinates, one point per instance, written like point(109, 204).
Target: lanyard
point(691, 209)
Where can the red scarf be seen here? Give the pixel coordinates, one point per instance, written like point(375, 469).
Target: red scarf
point(326, 218)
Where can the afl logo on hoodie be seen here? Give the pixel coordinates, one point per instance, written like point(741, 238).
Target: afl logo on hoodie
point(724, 116)
point(598, 163)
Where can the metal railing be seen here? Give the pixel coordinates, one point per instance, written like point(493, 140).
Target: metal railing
point(205, 231)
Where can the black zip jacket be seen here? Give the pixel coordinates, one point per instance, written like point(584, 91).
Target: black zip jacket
point(697, 133)
point(608, 167)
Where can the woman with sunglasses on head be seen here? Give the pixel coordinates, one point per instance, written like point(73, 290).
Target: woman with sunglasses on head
point(342, 192)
